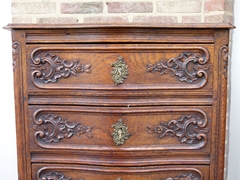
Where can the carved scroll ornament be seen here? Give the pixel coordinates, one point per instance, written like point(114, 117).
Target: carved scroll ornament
point(53, 176)
point(58, 68)
point(49, 174)
point(15, 53)
point(52, 128)
point(223, 53)
point(120, 71)
point(188, 67)
point(188, 176)
point(188, 129)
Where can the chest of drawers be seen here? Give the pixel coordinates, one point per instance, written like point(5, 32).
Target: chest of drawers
point(120, 102)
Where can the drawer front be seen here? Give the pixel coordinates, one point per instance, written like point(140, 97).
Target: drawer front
point(119, 67)
point(43, 171)
point(120, 129)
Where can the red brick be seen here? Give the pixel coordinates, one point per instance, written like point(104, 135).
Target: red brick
point(82, 8)
point(21, 20)
point(105, 19)
point(179, 6)
point(155, 19)
point(214, 6)
point(57, 20)
point(191, 19)
point(33, 8)
point(130, 7)
point(214, 18)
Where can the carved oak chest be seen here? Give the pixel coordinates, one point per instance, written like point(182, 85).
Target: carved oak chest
point(120, 102)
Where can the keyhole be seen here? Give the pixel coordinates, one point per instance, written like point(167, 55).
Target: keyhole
point(120, 133)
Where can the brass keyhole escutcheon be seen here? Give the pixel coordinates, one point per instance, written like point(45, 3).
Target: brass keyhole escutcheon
point(120, 71)
point(120, 133)
point(119, 178)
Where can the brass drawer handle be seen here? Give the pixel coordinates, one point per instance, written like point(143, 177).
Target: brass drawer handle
point(120, 71)
point(120, 134)
point(118, 178)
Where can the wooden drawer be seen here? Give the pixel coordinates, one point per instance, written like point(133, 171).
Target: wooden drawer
point(73, 172)
point(120, 67)
point(117, 129)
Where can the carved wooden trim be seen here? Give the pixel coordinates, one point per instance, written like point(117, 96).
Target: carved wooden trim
point(52, 128)
point(15, 53)
point(202, 122)
point(189, 129)
point(180, 67)
point(187, 176)
point(50, 175)
point(223, 56)
point(56, 171)
point(218, 148)
point(59, 68)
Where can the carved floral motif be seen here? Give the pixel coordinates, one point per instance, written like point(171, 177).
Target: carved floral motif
point(53, 176)
point(188, 129)
point(223, 52)
point(188, 176)
point(51, 128)
point(15, 53)
point(120, 134)
point(58, 68)
point(120, 71)
point(188, 67)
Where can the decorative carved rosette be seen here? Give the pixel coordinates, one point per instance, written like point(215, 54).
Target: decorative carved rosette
point(223, 53)
point(51, 128)
point(57, 68)
point(188, 67)
point(189, 129)
point(188, 176)
point(15, 53)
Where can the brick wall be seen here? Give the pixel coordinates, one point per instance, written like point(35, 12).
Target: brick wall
point(110, 11)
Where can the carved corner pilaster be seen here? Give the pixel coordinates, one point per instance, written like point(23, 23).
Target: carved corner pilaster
point(15, 54)
point(223, 53)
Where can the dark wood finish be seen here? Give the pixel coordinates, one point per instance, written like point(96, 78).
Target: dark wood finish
point(142, 62)
point(124, 102)
point(41, 171)
point(152, 128)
